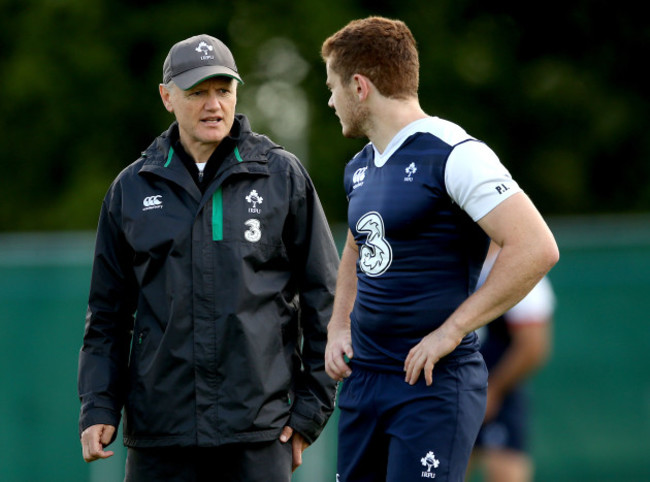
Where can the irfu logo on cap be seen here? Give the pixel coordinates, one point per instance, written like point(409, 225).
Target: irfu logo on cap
point(205, 48)
point(186, 69)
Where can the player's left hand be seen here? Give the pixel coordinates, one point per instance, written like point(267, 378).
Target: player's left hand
point(425, 355)
point(298, 445)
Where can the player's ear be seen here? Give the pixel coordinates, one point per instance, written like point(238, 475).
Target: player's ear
point(362, 86)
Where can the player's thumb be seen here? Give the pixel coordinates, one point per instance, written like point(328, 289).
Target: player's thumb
point(348, 351)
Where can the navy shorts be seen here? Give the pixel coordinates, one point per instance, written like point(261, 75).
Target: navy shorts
point(390, 431)
point(508, 430)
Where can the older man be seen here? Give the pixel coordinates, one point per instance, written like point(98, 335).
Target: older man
point(212, 285)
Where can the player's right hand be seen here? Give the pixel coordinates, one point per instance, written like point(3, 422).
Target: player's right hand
point(94, 439)
point(339, 346)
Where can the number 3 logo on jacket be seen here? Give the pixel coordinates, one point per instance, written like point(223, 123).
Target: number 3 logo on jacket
point(254, 234)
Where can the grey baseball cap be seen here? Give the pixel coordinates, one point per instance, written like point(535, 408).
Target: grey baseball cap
point(197, 58)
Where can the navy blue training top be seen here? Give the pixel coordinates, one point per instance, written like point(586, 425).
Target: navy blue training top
point(420, 254)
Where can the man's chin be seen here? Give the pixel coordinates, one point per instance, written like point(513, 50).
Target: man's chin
point(213, 137)
point(353, 134)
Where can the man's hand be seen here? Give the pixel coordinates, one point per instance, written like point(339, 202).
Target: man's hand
point(425, 355)
point(339, 343)
point(298, 445)
point(339, 339)
point(94, 439)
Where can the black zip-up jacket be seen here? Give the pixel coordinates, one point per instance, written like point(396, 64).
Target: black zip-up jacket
point(207, 311)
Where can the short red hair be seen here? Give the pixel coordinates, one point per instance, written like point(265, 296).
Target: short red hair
point(381, 49)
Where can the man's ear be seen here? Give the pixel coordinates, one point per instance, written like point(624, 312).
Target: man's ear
point(165, 95)
point(362, 86)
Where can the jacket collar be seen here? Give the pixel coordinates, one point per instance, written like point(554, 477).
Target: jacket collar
point(249, 155)
point(158, 153)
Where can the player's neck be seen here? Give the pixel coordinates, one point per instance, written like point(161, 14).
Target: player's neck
point(390, 116)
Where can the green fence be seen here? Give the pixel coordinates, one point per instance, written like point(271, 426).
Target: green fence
point(592, 402)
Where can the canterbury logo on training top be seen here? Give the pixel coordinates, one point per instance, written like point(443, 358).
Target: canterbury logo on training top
point(358, 177)
point(152, 202)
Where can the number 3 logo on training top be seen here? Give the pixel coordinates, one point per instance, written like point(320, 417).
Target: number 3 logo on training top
point(376, 255)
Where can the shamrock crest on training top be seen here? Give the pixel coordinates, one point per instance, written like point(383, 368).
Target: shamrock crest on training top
point(410, 170)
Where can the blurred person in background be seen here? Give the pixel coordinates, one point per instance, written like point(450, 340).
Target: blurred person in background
point(424, 199)
point(514, 346)
point(212, 285)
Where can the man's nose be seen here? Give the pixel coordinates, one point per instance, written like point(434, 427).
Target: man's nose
point(213, 102)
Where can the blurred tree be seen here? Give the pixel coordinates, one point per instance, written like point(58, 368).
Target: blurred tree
point(554, 89)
